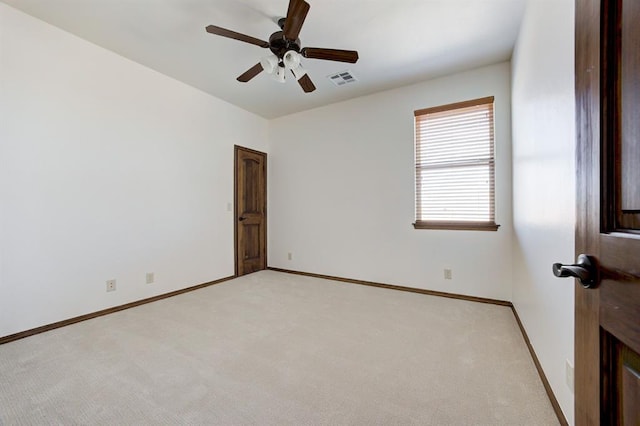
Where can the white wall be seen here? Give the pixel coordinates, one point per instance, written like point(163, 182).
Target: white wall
point(544, 184)
point(341, 192)
point(107, 170)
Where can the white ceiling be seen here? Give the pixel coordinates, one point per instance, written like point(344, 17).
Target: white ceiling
point(399, 41)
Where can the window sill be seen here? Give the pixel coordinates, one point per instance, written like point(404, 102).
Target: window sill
point(457, 226)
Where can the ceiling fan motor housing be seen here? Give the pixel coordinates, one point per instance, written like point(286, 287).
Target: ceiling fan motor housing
point(279, 45)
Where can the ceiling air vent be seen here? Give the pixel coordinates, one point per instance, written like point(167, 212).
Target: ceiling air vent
point(342, 78)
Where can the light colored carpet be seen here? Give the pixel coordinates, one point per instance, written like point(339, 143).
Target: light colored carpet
point(279, 349)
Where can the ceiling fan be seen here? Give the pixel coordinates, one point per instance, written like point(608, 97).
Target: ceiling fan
point(286, 49)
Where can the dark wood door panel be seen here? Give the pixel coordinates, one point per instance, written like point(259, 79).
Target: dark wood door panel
point(621, 383)
point(630, 99)
point(630, 405)
point(252, 175)
point(252, 243)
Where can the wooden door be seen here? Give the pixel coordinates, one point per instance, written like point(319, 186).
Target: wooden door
point(607, 318)
point(250, 210)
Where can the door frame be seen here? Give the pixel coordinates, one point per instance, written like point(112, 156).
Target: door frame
point(236, 149)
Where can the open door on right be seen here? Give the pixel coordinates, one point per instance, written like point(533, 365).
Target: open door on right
point(607, 314)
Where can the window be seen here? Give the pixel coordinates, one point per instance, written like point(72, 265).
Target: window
point(455, 166)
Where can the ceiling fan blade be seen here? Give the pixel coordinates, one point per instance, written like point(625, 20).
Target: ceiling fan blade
point(296, 15)
point(250, 73)
point(212, 29)
point(306, 84)
point(350, 56)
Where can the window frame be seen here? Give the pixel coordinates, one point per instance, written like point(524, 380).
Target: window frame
point(455, 224)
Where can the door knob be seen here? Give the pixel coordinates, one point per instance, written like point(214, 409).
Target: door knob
point(241, 218)
point(586, 271)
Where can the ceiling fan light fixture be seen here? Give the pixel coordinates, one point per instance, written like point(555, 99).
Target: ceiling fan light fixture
point(269, 63)
point(279, 74)
point(299, 72)
point(291, 59)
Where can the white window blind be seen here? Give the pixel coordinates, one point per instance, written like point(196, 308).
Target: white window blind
point(455, 166)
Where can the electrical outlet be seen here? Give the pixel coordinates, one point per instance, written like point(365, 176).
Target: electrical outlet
point(447, 274)
point(150, 277)
point(570, 376)
point(111, 285)
point(289, 256)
